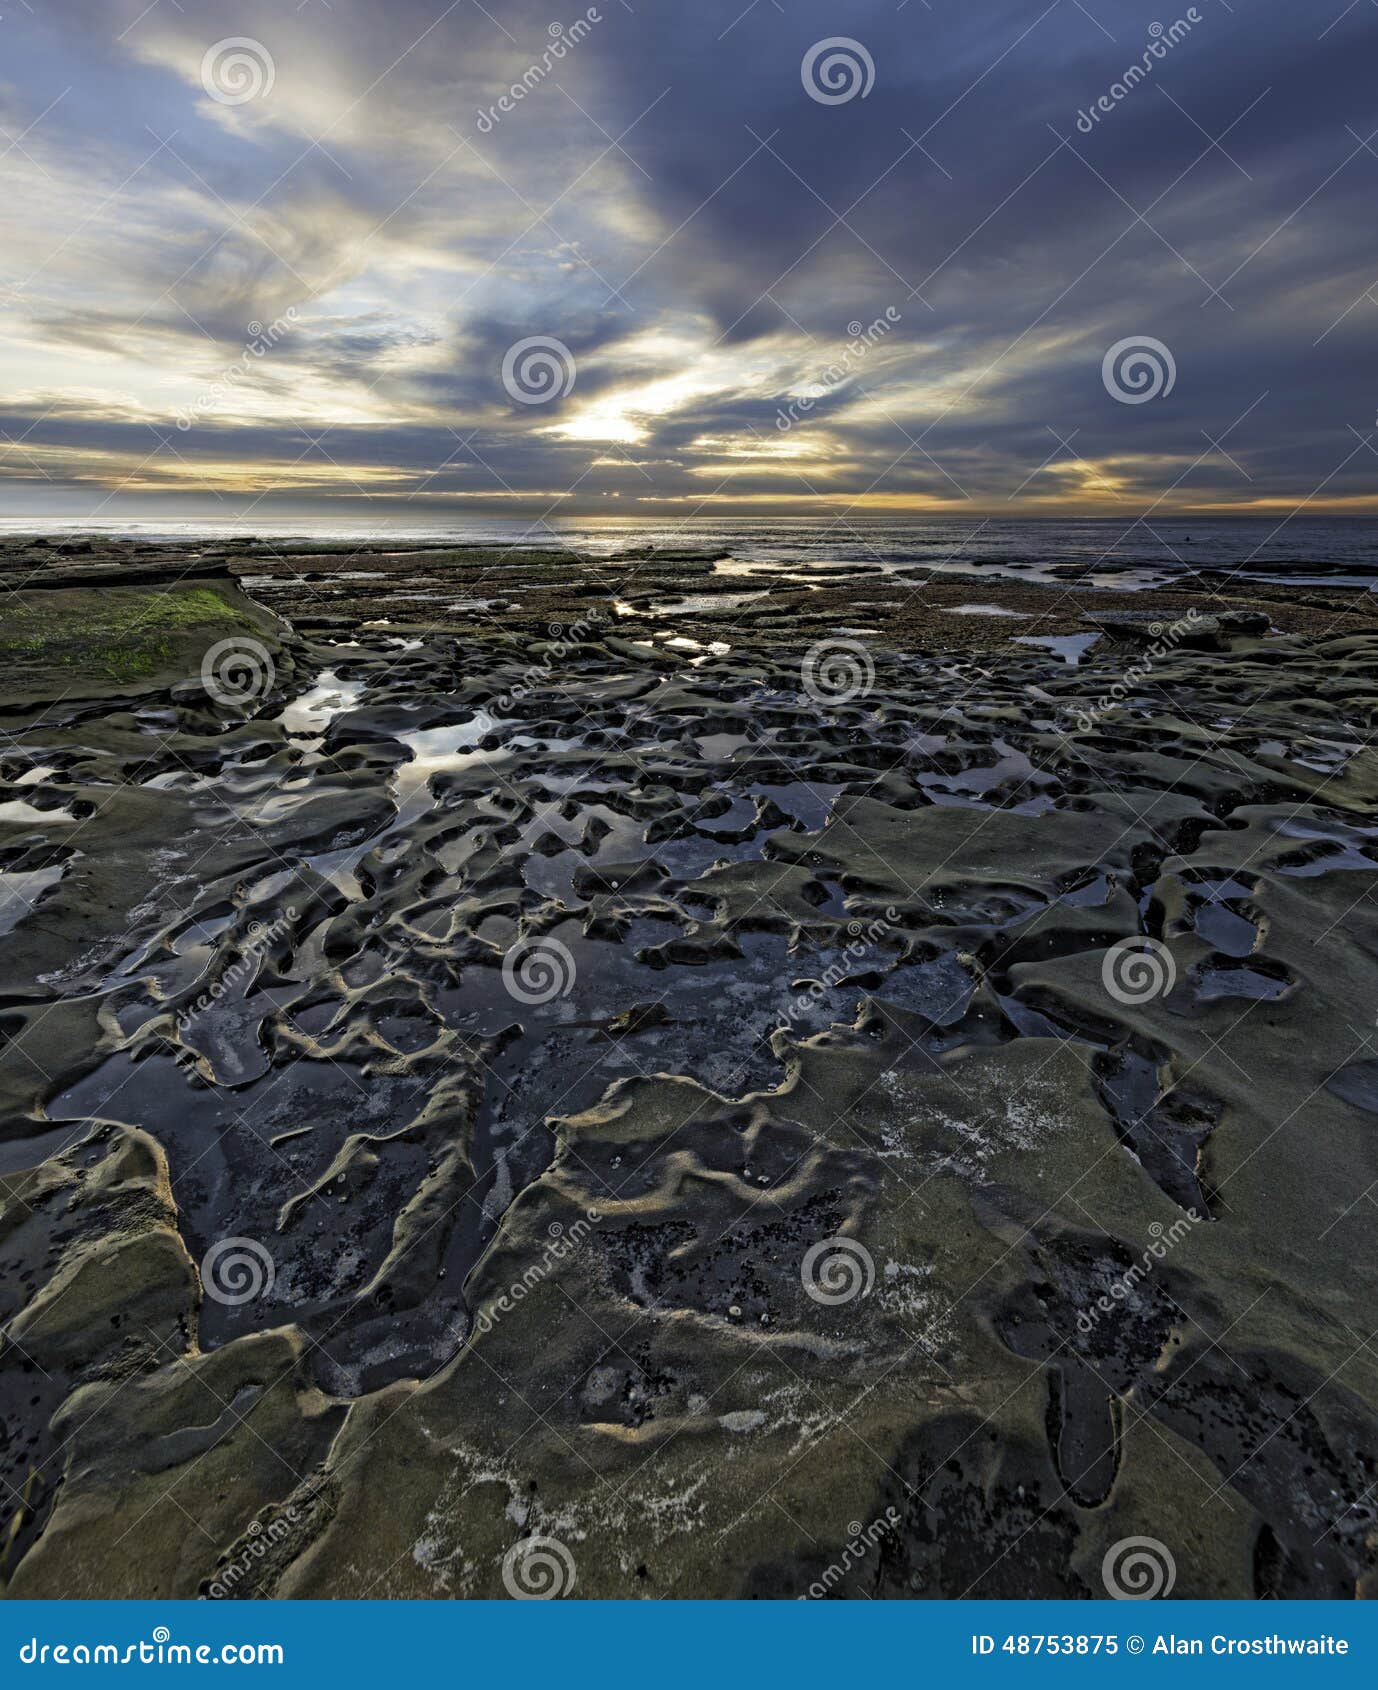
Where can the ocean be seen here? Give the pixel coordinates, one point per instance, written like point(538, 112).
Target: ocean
point(1116, 551)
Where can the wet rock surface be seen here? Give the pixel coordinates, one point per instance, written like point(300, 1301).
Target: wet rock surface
point(573, 1051)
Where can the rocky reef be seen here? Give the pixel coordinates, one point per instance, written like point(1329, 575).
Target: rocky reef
point(655, 1076)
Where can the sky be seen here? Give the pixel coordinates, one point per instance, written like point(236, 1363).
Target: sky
point(673, 257)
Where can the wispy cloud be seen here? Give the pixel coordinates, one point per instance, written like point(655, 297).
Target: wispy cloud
point(666, 199)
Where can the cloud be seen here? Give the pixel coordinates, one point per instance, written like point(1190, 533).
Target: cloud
point(666, 200)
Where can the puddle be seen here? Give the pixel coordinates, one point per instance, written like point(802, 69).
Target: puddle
point(809, 802)
point(18, 1154)
point(1092, 894)
point(705, 601)
point(717, 748)
point(682, 642)
point(20, 891)
point(1071, 648)
point(313, 712)
point(437, 751)
point(1325, 851)
point(20, 810)
point(1218, 918)
point(440, 750)
point(1357, 1084)
point(1221, 980)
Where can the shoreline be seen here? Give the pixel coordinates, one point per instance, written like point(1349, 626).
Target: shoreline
point(555, 1064)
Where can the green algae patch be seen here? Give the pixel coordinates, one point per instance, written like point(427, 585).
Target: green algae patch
point(75, 641)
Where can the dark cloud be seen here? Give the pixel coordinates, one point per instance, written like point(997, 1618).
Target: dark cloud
point(666, 200)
